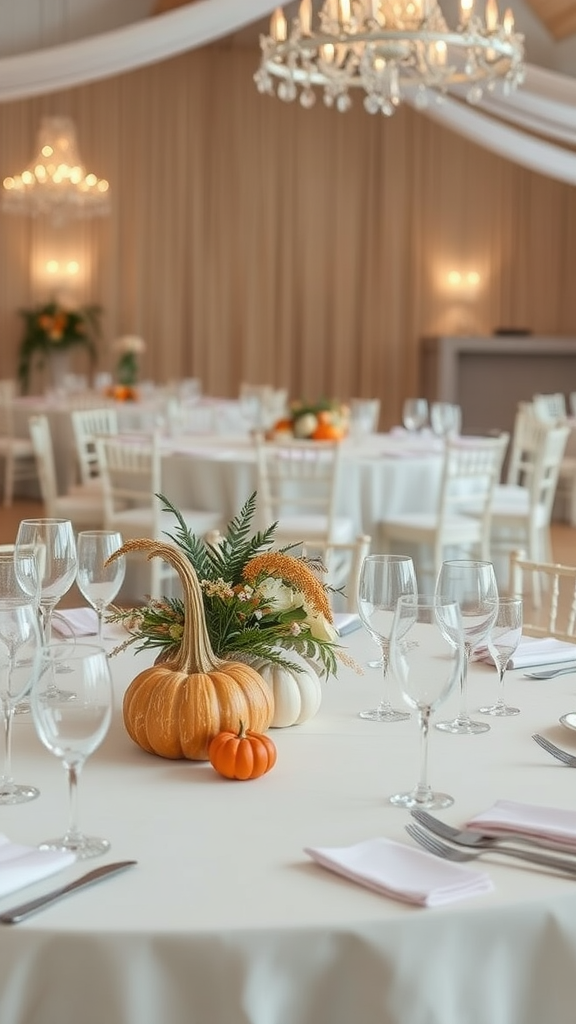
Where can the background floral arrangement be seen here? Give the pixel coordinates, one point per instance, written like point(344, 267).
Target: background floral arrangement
point(55, 328)
point(325, 420)
point(258, 603)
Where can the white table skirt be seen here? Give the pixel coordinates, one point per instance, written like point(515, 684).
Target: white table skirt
point(226, 921)
point(381, 476)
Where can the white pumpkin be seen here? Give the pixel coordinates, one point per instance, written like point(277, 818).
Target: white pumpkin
point(305, 425)
point(297, 692)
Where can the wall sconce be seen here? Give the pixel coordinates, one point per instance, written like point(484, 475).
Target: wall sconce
point(464, 285)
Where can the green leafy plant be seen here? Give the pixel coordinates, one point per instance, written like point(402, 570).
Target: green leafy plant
point(258, 603)
point(55, 328)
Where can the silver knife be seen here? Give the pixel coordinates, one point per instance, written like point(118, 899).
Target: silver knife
point(23, 910)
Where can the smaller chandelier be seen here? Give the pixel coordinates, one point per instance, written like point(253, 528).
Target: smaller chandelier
point(56, 182)
point(392, 50)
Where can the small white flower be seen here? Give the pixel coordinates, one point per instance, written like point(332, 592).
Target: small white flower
point(281, 597)
point(130, 343)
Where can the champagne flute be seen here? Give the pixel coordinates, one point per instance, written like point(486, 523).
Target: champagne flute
point(97, 581)
point(20, 645)
point(383, 579)
point(503, 639)
point(72, 730)
point(472, 584)
point(414, 413)
point(427, 654)
point(53, 541)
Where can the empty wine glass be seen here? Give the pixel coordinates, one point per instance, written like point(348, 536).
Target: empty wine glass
point(427, 653)
point(97, 581)
point(383, 579)
point(53, 542)
point(72, 730)
point(472, 584)
point(20, 645)
point(503, 639)
point(415, 413)
point(445, 418)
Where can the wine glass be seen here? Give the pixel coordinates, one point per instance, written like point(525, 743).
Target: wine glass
point(72, 730)
point(415, 413)
point(472, 584)
point(55, 547)
point(503, 639)
point(445, 418)
point(383, 579)
point(20, 645)
point(97, 581)
point(427, 654)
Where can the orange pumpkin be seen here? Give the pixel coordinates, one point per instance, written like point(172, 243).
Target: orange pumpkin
point(328, 432)
point(175, 708)
point(242, 755)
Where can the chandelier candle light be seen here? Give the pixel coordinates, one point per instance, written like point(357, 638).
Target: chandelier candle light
point(56, 182)
point(393, 50)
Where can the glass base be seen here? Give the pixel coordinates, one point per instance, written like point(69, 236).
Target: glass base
point(426, 801)
point(376, 663)
point(384, 713)
point(499, 710)
point(82, 846)
point(18, 794)
point(463, 726)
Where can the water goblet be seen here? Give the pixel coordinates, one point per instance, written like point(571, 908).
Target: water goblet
point(472, 584)
point(383, 579)
point(503, 639)
point(427, 652)
point(97, 581)
point(414, 413)
point(55, 547)
point(72, 730)
point(20, 645)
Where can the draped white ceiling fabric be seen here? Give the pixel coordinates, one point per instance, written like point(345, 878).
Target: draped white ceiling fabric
point(511, 126)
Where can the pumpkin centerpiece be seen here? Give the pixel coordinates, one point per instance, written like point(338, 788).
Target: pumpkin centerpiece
point(247, 612)
point(177, 707)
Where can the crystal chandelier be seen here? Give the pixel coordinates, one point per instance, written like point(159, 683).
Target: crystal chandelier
point(392, 50)
point(56, 182)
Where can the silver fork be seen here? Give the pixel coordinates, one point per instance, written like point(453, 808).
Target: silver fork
point(551, 748)
point(481, 841)
point(441, 849)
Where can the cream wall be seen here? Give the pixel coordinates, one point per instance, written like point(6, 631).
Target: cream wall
point(250, 240)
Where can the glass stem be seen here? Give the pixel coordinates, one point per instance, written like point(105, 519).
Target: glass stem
point(6, 781)
point(422, 789)
point(73, 771)
point(46, 623)
point(463, 712)
point(100, 614)
point(385, 647)
point(501, 674)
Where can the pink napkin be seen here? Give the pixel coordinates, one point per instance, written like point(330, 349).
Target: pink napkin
point(529, 820)
point(402, 872)
point(23, 865)
point(81, 621)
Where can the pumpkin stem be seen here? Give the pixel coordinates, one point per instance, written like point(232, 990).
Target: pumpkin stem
point(195, 653)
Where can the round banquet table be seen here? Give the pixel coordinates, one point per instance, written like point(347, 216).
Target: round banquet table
point(225, 920)
point(382, 475)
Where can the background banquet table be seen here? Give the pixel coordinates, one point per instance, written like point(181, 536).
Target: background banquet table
point(381, 475)
point(225, 920)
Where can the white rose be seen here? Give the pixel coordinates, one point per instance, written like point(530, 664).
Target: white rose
point(320, 628)
point(281, 597)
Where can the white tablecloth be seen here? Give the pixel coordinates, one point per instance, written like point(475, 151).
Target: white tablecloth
point(226, 921)
point(381, 476)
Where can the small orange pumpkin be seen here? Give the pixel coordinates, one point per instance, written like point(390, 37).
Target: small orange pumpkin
point(242, 755)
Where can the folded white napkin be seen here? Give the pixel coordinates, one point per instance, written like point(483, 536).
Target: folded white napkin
point(346, 622)
point(402, 872)
point(23, 865)
point(82, 622)
point(528, 819)
point(535, 650)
